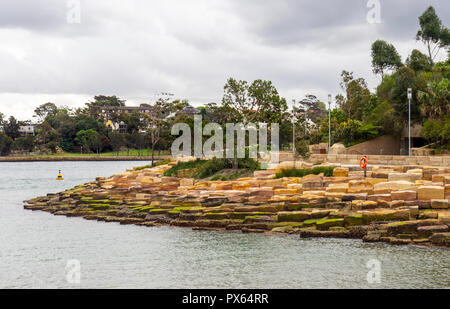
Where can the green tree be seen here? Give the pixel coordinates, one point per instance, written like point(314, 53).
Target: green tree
point(432, 33)
point(5, 144)
point(44, 110)
point(117, 140)
point(435, 99)
point(90, 140)
point(47, 134)
point(418, 61)
point(25, 143)
point(11, 127)
point(384, 57)
point(404, 78)
point(357, 95)
point(257, 102)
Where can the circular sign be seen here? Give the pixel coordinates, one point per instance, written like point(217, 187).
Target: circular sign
point(363, 162)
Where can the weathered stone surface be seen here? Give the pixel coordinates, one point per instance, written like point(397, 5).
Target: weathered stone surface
point(427, 231)
point(441, 239)
point(402, 227)
point(440, 204)
point(354, 196)
point(430, 192)
point(385, 215)
point(372, 238)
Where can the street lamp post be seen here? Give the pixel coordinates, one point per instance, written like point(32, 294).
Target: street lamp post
point(409, 120)
point(293, 127)
point(329, 123)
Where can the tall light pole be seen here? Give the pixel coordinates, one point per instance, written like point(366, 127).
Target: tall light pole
point(293, 127)
point(329, 123)
point(409, 120)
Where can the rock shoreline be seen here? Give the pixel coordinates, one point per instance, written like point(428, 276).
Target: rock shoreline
point(401, 205)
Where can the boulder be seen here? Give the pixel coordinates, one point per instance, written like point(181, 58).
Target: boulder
point(430, 192)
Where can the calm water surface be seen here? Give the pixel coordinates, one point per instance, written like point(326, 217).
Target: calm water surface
point(35, 247)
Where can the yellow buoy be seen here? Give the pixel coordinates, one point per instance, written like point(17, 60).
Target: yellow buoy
point(59, 177)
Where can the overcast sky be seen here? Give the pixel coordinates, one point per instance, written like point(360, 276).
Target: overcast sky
point(136, 49)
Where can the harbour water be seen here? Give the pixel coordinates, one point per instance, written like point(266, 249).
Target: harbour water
point(35, 248)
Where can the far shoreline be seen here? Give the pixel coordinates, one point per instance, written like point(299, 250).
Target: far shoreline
point(82, 158)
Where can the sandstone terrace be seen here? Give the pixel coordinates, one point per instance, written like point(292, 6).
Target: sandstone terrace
point(395, 204)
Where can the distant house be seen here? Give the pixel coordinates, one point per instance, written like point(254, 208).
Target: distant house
point(1, 129)
point(108, 111)
point(29, 129)
point(190, 110)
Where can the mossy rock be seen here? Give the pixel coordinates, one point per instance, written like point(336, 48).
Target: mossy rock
point(294, 207)
point(239, 215)
point(158, 211)
point(394, 216)
point(217, 216)
point(99, 206)
point(144, 209)
point(310, 222)
point(325, 224)
point(294, 216)
point(353, 220)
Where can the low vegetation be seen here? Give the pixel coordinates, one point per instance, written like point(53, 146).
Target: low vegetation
point(207, 168)
point(294, 172)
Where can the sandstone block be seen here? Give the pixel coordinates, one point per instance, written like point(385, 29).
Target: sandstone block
point(186, 182)
point(337, 188)
point(380, 197)
point(427, 231)
point(404, 195)
point(430, 192)
point(411, 177)
point(293, 216)
point(340, 172)
point(399, 185)
point(440, 204)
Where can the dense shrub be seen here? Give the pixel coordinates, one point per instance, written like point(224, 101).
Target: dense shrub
point(294, 172)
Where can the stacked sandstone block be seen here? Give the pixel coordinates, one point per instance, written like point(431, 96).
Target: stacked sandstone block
point(394, 204)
